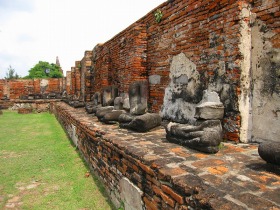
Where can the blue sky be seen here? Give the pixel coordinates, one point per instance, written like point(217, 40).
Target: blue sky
point(34, 30)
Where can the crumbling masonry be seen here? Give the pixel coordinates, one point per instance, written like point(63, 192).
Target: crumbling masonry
point(229, 48)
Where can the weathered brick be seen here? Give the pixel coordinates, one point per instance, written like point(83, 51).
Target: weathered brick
point(149, 204)
point(173, 194)
point(165, 197)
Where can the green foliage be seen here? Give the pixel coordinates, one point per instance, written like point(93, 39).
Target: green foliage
point(44, 69)
point(11, 73)
point(158, 15)
point(221, 146)
point(121, 206)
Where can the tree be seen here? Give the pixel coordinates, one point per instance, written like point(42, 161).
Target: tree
point(11, 73)
point(44, 69)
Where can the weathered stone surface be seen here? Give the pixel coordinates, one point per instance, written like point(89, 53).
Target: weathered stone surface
point(64, 95)
point(112, 116)
point(138, 92)
point(100, 112)
point(205, 136)
point(184, 91)
point(270, 152)
point(91, 109)
point(52, 95)
point(125, 118)
point(30, 97)
point(77, 104)
point(96, 98)
point(209, 111)
point(108, 96)
point(141, 123)
point(95, 103)
point(154, 79)
point(131, 195)
point(126, 105)
point(118, 103)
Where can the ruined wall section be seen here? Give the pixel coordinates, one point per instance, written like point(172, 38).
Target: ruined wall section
point(100, 67)
point(14, 89)
point(122, 59)
point(2, 84)
point(73, 81)
point(68, 81)
point(206, 32)
point(86, 76)
point(265, 22)
point(77, 91)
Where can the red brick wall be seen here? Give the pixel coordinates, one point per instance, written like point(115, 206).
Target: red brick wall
point(207, 32)
point(77, 78)
point(15, 88)
point(2, 83)
point(122, 59)
point(73, 81)
point(68, 82)
point(100, 67)
point(86, 76)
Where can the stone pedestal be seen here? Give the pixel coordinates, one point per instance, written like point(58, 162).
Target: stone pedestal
point(204, 136)
point(141, 123)
point(270, 152)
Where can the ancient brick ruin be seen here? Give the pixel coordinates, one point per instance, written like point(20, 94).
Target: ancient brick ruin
point(232, 45)
point(227, 51)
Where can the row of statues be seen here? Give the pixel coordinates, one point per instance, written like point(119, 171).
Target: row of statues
point(129, 110)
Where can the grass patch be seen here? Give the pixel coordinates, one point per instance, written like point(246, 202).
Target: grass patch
point(40, 169)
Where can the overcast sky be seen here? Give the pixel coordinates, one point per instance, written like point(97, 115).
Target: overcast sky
point(40, 30)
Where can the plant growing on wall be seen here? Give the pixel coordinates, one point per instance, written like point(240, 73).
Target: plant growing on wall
point(158, 15)
point(11, 74)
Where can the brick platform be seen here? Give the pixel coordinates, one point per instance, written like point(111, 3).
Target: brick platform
point(171, 176)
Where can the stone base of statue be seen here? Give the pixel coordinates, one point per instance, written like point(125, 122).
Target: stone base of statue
point(91, 108)
point(100, 112)
point(270, 152)
point(140, 123)
point(112, 117)
point(95, 103)
point(204, 136)
point(77, 104)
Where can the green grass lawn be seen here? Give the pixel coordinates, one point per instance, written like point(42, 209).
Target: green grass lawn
point(40, 169)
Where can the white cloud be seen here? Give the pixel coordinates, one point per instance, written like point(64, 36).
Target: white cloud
point(42, 30)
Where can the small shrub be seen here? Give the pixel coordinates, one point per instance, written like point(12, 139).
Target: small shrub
point(158, 15)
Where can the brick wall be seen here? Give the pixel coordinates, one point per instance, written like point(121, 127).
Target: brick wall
point(23, 87)
point(2, 84)
point(68, 81)
point(122, 59)
point(210, 33)
point(86, 76)
point(73, 81)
